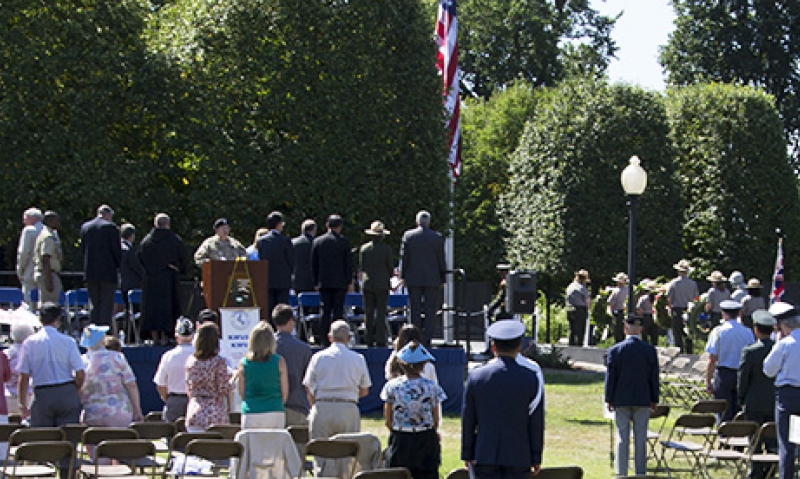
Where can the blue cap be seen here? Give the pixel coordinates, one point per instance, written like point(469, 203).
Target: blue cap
point(414, 356)
point(730, 305)
point(93, 334)
point(506, 329)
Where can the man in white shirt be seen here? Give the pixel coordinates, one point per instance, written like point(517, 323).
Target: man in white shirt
point(170, 376)
point(32, 219)
point(336, 379)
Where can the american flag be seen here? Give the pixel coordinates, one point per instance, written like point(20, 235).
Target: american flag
point(777, 279)
point(447, 64)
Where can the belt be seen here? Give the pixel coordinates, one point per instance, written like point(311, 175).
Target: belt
point(727, 369)
point(178, 395)
point(787, 386)
point(411, 429)
point(349, 401)
point(46, 386)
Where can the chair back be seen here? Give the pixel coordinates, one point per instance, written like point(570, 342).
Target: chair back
point(227, 431)
point(710, 406)
point(74, 432)
point(135, 296)
point(52, 452)
point(154, 416)
point(308, 300)
point(215, 449)
point(460, 473)
point(77, 297)
point(300, 434)
point(125, 449)
point(180, 424)
point(6, 430)
point(235, 417)
point(182, 439)
point(400, 301)
point(153, 430)
point(739, 429)
point(695, 421)
point(35, 434)
point(95, 435)
point(566, 472)
point(389, 473)
point(330, 449)
point(662, 410)
point(354, 300)
point(11, 296)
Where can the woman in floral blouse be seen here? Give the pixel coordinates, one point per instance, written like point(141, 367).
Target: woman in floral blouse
point(208, 382)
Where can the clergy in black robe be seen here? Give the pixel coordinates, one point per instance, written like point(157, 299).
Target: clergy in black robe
point(163, 258)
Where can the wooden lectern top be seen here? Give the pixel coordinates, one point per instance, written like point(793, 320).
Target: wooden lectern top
point(224, 281)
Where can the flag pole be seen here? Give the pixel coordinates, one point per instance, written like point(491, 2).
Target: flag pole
point(449, 247)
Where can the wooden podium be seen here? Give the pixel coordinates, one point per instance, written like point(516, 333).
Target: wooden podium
point(221, 290)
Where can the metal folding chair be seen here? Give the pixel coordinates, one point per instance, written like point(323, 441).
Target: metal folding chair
point(48, 456)
point(691, 450)
point(722, 453)
point(134, 298)
point(11, 297)
point(77, 306)
point(305, 301)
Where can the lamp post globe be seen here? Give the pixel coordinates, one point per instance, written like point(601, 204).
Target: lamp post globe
point(634, 182)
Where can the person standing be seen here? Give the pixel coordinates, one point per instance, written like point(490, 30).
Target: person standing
point(377, 267)
point(617, 301)
point(277, 249)
point(102, 254)
point(332, 266)
point(302, 275)
point(220, 247)
point(716, 295)
point(739, 288)
point(32, 219)
point(752, 301)
point(335, 380)
point(783, 364)
point(725, 345)
point(163, 259)
point(208, 382)
point(47, 259)
point(631, 393)
point(680, 291)
point(423, 269)
point(52, 363)
point(297, 355)
point(645, 308)
point(578, 304)
point(170, 377)
point(130, 270)
point(263, 381)
point(503, 404)
point(756, 390)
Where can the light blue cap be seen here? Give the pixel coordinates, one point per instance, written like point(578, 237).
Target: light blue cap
point(414, 356)
point(92, 334)
point(506, 330)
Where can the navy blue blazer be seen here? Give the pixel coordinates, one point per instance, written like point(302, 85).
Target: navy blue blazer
point(101, 250)
point(422, 261)
point(302, 277)
point(332, 261)
point(632, 374)
point(277, 249)
point(497, 426)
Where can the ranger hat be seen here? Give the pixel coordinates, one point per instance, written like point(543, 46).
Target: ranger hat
point(506, 330)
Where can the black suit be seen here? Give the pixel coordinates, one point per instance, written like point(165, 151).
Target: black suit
point(102, 254)
point(130, 270)
point(756, 390)
point(277, 249)
point(302, 277)
point(332, 267)
point(423, 269)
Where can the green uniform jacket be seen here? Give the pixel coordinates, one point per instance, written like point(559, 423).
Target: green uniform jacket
point(377, 265)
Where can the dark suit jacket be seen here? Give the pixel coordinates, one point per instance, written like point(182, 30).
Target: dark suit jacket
point(100, 246)
point(756, 390)
point(377, 266)
point(331, 261)
point(422, 258)
point(130, 270)
point(302, 277)
point(632, 375)
point(497, 427)
point(277, 249)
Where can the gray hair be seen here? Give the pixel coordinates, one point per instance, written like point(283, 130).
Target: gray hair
point(127, 230)
point(792, 322)
point(20, 332)
point(424, 218)
point(161, 220)
point(340, 331)
point(33, 213)
point(308, 226)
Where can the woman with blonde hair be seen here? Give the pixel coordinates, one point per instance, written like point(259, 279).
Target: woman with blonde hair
point(208, 382)
point(263, 381)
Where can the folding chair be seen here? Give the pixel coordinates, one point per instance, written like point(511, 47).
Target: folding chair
point(278, 459)
point(218, 451)
point(227, 431)
point(48, 456)
point(160, 432)
point(460, 473)
point(134, 298)
point(304, 302)
point(717, 407)
point(177, 446)
point(154, 416)
point(389, 473)
point(762, 453)
point(566, 472)
point(744, 431)
point(11, 297)
point(353, 303)
point(95, 435)
point(691, 450)
point(300, 436)
point(662, 411)
point(329, 450)
point(30, 435)
point(77, 304)
point(130, 453)
point(397, 313)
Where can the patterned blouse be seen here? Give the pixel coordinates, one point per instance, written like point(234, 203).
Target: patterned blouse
point(208, 385)
point(413, 402)
point(103, 393)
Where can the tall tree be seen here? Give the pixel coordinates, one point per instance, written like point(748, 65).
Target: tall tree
point(565, 208)
point(538, 41)
point(743, 41)
point(736, 180)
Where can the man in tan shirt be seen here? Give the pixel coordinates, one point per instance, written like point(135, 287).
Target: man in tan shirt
point(47, 260)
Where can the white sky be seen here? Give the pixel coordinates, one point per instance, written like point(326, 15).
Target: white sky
point(640, 31)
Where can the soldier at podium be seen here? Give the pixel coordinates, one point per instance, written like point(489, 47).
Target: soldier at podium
point(221, 246)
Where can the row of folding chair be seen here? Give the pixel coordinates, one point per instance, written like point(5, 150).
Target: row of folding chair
point(682, 380)
point(562, 472)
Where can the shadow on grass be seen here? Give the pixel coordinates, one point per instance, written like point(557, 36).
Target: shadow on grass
point(567, 376)
point(590, 422)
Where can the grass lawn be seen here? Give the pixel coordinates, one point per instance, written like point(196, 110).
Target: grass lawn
point(576, 432)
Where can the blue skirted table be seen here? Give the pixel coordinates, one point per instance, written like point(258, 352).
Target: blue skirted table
point(450, 367)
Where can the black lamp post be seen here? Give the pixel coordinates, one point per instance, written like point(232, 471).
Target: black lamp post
point(634, 181)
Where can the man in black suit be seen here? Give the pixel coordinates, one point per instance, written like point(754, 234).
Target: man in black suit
point(277, 249)
point(423, 270)
point(130, 270)
point(102, 253)
point(302, 276)
point(332, 267)
point(631, 393)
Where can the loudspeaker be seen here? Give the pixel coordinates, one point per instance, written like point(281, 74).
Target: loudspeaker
point(521, 292)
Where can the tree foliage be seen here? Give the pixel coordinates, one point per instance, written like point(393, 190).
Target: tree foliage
point(538, 41)
point(491, 130)
point(565, 208)
point(736, 180)
point(749, 42)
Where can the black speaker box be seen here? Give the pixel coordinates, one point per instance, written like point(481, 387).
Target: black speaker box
point(521, 292)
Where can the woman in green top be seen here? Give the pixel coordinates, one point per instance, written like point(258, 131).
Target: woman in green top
point(263, 382)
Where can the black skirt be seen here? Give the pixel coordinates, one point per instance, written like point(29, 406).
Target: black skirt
point(419, 452)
